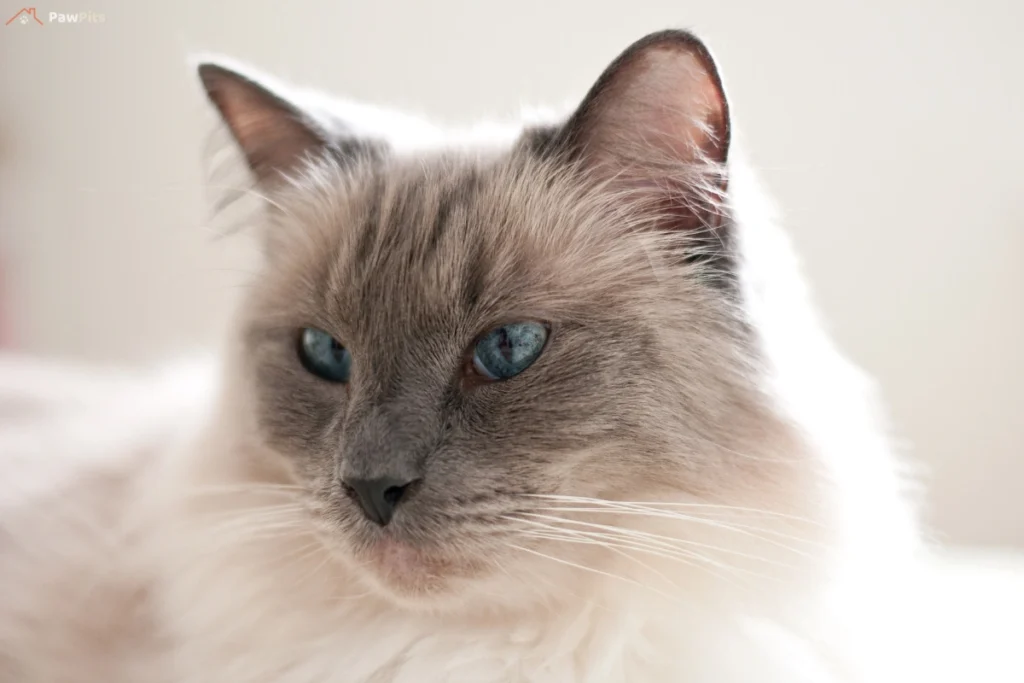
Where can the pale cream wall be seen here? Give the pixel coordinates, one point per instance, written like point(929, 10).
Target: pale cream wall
point(889, 130)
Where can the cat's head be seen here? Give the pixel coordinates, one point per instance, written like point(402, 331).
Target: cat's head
point(496, 371)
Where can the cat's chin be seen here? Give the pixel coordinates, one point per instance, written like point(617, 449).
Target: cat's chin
point(412, 577)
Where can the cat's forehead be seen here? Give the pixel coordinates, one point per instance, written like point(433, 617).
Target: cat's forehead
point(413, 249)
point(478, 240)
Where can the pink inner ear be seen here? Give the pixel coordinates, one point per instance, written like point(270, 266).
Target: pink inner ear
point(664, 101)
point(270, 131)
point(657, 125)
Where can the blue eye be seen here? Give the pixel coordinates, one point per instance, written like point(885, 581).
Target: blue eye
point(323, 356)
point(506, 351)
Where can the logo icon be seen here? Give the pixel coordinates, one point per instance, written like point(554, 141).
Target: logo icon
point(24, 16)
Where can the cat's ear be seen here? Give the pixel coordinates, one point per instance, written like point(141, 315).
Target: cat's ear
point(274, 134)
point(662, 95)
point(658, 118)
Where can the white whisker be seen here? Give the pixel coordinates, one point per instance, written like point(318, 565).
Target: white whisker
point(653, 546)
point(669, 539)
point(592, 570)
point(654, 504)
point(619, 547)
point(745, 529)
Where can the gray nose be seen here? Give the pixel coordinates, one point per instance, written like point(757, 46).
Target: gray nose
point(379, 496)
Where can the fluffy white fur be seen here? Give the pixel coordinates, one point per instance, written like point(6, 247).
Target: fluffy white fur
point(112, 570)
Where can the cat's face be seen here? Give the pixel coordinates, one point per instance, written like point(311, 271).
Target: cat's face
point(456, 356)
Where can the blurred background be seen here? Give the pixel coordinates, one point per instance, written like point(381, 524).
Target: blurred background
point(890, 132)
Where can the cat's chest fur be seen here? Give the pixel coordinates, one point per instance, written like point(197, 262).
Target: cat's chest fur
point(277, 612)
point(580, 643)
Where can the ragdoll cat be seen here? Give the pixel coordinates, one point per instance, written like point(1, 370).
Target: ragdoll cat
point(537, 405)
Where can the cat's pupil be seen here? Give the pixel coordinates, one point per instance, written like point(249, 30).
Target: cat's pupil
point(504, 345)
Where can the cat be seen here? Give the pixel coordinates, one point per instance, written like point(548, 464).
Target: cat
point(539, 403)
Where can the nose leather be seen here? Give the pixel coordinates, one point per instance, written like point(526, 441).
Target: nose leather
point(379, 496)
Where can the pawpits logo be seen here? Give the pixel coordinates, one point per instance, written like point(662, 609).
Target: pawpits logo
point(24, 17)
point(75, 18)
point(30, 16)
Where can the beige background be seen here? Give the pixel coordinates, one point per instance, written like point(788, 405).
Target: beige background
point(889, 130)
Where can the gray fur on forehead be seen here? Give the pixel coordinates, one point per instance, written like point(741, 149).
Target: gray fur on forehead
point(508, 234)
